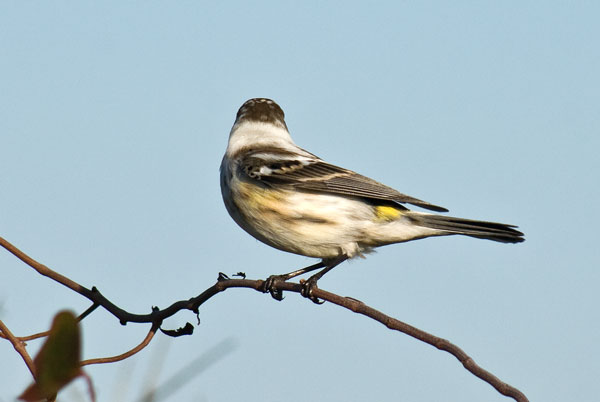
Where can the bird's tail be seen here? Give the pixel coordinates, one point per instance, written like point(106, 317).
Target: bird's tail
point(480, 229)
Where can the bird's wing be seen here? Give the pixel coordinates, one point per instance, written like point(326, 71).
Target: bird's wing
point(309, 173)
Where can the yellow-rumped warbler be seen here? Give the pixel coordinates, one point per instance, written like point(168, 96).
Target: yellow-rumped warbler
point(292, 200)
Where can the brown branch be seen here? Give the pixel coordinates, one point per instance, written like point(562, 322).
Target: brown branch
point(46, 333)
point(157, 316)
point(359, 307)
point(127, 354)
point(88, 381)
point(91, 294)
point(19, 347)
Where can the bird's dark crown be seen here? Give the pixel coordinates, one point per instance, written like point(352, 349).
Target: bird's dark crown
point(261, 110)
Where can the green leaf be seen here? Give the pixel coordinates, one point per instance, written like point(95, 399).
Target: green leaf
point(57, 362)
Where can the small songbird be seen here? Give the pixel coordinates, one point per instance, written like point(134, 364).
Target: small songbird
point(294, 201)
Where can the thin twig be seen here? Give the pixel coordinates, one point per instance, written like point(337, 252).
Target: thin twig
point(46, 333)
point(127, 354)
point(88, 381)
point(19, 347)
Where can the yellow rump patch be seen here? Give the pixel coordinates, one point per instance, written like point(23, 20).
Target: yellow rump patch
point(387, 213)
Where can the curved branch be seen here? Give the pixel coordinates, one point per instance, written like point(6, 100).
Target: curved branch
point(157, 316)
point(127, 354)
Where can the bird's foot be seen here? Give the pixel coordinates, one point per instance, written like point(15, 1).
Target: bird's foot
point(270, 286)
point(308, 286)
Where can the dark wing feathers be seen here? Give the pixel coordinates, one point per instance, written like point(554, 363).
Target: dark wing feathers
point(323, 177)
point(351, 183)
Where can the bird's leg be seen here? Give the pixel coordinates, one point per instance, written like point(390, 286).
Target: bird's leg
point(273, 279)
point(311, 283)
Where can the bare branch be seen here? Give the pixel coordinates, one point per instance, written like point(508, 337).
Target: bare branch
point(157, 316)
point(19, 347)
point(127, 354)
point(440, 343)
point(45, 333)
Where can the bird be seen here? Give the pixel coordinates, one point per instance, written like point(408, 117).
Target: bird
point(294, 201)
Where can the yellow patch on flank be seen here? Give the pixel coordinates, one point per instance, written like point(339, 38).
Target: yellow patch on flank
point(387, 213)
point(259, 197)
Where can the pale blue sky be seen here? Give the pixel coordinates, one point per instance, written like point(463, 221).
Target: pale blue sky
point(113, 120)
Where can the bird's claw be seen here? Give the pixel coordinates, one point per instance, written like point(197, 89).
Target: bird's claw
point(307, 290)
point(270, 286)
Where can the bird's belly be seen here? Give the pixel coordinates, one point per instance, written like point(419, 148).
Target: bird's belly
point(314, 225)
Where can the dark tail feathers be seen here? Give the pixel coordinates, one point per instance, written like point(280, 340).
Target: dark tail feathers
point(480, 229)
